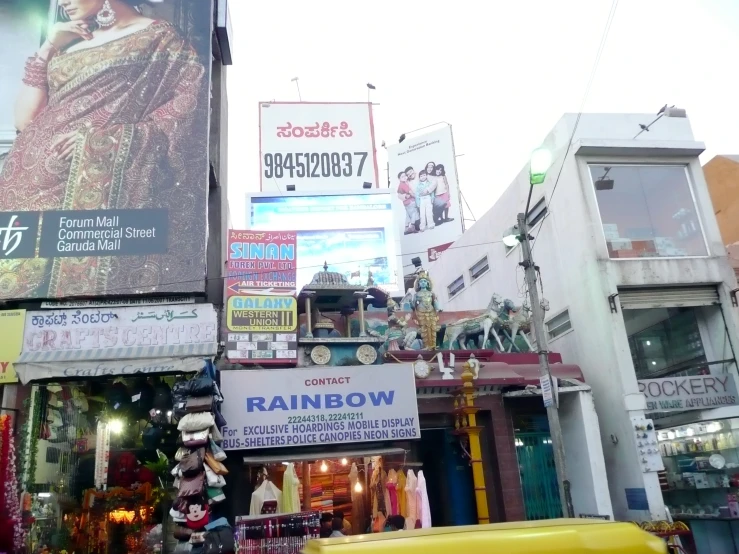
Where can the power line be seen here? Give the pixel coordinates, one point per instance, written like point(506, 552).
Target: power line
point(593, 72)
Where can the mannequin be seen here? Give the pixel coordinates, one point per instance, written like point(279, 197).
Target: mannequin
point(266, 498)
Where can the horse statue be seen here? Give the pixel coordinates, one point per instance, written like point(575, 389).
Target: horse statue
point(515, 320)
point(479, 326)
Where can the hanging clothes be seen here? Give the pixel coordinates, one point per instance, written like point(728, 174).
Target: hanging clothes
point(290, 495)
point(359, 518)
point(385, 493)
point(392, 490)
point(411, 484)
point(402, 506)
point(422, 498)
point(380, 498)
point(266, 493)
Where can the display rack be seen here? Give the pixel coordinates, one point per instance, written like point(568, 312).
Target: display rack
point(276, 534)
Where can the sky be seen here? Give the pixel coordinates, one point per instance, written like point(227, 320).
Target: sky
point(501, 73)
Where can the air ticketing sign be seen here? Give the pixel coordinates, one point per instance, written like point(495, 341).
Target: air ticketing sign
point(261, 260)
point(325, 405)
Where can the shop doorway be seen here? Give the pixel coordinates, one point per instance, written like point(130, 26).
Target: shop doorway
point(536, 465)
point(451, 490)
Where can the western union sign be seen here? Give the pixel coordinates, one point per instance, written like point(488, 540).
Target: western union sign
point(247, 314)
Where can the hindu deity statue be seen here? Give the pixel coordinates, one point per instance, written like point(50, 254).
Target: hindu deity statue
point(426, 308)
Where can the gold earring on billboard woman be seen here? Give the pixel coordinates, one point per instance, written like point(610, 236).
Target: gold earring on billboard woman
point(106, 16)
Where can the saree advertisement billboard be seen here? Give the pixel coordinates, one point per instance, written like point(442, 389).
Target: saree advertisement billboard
point(316, 146)
point(103, 191)
point(349, 233)
point(423, 179)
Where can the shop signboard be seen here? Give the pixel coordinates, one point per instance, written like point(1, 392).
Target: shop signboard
point(319, 406)
point(11, 331)
point(423, 175)
point(98, 194)
point(316, 146)
point(695, 392)
point(435, 252)
point(352, 233)
point(262, 329)
point(261, 260)
point(120, 333)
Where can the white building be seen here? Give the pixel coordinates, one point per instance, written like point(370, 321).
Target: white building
point(636, 275)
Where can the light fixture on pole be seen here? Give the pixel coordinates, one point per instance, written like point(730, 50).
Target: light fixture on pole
point(295, 80)
point(370, 88)
point(541, 160)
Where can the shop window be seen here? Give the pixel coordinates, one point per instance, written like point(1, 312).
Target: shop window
point(677, 341)
point(559, 324)
point(647, 211)
point(479, 269)
point(456, 287)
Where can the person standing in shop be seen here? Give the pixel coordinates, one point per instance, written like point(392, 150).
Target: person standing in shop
point(395, 523)
point(347, 529)
point(337, 526)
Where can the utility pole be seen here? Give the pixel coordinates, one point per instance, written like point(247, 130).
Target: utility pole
point(555, 428)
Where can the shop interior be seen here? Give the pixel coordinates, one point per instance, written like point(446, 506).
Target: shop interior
point(299, 496)
point(74, 501)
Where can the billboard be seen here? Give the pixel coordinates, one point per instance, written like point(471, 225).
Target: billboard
point(353, 234)
point(316, 146)
point(12, 323)
point(423, 177)
point(260, 260)
point(104, 189)
point(323, 405)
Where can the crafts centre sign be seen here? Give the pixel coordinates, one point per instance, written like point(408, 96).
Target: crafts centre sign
point(699, 392)
point(327, 405)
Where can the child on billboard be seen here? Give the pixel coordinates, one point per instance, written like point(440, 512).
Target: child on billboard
point(407, 196)
point(425, 200)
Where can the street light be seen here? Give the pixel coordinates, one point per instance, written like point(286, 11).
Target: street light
point(540, 162)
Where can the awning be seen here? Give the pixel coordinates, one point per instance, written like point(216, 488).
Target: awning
point(496, 373)
point(55, 370)
point(124, 352)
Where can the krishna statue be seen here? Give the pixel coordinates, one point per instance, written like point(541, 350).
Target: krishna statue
point(426, 308)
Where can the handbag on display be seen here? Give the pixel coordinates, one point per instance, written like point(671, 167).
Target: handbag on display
point(181, 453)
point(220, 541)
point(197, 404)
point(197, 513)
point(196, 438)
point(218, 452)
point(202, 385)
point(215, 495)
point(216, 435)
point(196, 422)
point(217, 467)
point(191, 486)
point(220, 421)
point(181, 533)
point(192, 464)
point(213, 479)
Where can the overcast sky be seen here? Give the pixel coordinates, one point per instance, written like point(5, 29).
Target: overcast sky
point(501, 72)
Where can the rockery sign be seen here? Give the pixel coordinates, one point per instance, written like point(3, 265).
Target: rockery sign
point(697, 392)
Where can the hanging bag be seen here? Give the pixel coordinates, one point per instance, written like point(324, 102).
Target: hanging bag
point(217, 467)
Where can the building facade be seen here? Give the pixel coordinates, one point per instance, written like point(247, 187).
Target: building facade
point(636, 275)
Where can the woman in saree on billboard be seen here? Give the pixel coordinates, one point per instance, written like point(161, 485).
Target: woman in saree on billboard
point(112, 114)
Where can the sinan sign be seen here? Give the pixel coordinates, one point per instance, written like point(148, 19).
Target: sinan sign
point(699, 392)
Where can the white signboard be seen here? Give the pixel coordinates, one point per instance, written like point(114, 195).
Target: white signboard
point(698, 392)
point(120, 302)
point(423, 179)
point(316, 146)
point(120, 333)
point(326, 405)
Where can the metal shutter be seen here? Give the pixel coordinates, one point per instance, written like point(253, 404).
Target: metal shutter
point(671, 297)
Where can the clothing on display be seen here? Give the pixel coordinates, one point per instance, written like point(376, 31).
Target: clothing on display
point(411, 502)
point(290, 491)
point(392, 489)
point(423, 501)
point(401, 494)
point(266, 493)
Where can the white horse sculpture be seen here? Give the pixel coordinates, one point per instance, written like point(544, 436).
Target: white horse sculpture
point(518, 322)
point(481, 324)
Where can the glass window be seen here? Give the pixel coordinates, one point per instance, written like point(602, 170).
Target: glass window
point(456, 287)
point(559, 324)
point(479, 268)
point(647, 211)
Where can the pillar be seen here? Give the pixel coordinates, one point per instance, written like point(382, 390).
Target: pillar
point(360, 296)
point(466, 425)
point(309, 294)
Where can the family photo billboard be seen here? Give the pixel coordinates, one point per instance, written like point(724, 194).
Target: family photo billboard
point(103, 191)
point(316, 146)
point(423, 180)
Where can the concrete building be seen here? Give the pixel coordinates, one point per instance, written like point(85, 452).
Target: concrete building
point(722, 178)
point(636, 274)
